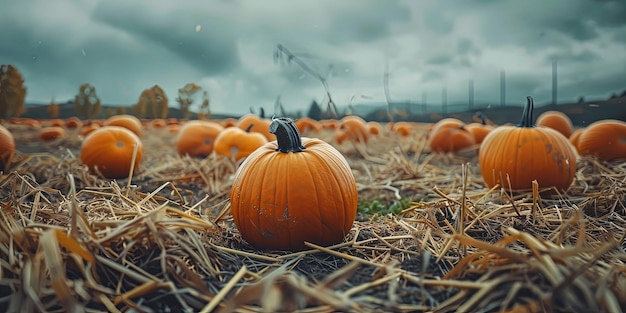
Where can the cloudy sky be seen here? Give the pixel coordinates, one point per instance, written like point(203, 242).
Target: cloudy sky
point(227, 46)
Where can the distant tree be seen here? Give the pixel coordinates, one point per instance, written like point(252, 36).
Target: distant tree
point(623, 94)
point(205, 110)
point(315, 112)
point(581, 99)
point(12, 92)
point(152, 103)
point(53, 109)
point(86, 103)
point(185, 98)
point(613, 96)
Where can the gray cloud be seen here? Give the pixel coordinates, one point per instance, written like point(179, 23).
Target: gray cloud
point(123, 47)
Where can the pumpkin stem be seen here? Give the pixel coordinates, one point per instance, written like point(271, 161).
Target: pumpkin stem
point(249, 127)
point(287, 135)
point(527, 115)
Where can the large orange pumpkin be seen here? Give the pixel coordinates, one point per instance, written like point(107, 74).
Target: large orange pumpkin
point(293, 190)
point(7, 148)
point(109, 150)
point(196, 138)
point(520, 154)
point(605, 139)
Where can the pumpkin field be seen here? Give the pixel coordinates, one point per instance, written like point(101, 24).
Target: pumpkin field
point(163, 215)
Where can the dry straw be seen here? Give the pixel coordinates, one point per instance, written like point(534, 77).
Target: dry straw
point(165, 241)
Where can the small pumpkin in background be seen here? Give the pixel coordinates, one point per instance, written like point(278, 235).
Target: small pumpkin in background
point(127, 121)
point(197, 138)
point(479, 131)
point(234, 142)
point(109, 150)
point(374, 128)
point(73, 123)
point(604, 139)
point(52, 133)
point(556, 120)
point(307, 124)
point(403, 129)
point(293, 190)
point(449, 135)
point(354, 128)
point(514, 156)
point(7, 148)
point(254, 123)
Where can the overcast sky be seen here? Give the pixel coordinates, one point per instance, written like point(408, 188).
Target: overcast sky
point(123, 47)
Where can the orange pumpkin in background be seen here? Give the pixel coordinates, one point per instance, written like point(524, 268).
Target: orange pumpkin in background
point(293, 190)
point(307, 124)
point(556, 120)
point(7, 148)
point(449, 135)
point(575, 137)
point(52, 133)
point(197, 138)
point(374, 128)
point(234, 142)
point(127, 121)
point(478, 130)
point(109, 150)
point(354, 128)
point(73, 123)
point(254, 123)
point(604, 139)
point(514, 156)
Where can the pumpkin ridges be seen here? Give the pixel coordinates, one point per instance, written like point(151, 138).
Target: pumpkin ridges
point(308, 224)
point(541, 154)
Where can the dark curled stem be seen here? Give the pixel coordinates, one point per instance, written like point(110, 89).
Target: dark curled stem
point(527, 115)
point(287, 135)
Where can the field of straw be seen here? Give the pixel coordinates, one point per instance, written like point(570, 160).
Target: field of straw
point(430, 237)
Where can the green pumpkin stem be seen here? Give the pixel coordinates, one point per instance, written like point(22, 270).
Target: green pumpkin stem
point(287, 135)
point(527, 115)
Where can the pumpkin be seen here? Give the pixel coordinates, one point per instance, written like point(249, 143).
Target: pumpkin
point(604, 139)
point(374, 128)
point(355, 128)
point(237, 143)
point(293, 190)
point(449, 122)
point(127, 121)
point(73, 123)
point(51, 133)
point(556, 120)
point(575, 137)
point(449, 135)
point(254, 123)
point(196, 138)
point(109, 150)
point(307, 124)
point(7, 148)
point(331, 124)
point(403, 129)
point(478, 130)
point(514, 156)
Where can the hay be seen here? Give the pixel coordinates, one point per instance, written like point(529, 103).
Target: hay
point(165, 241)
